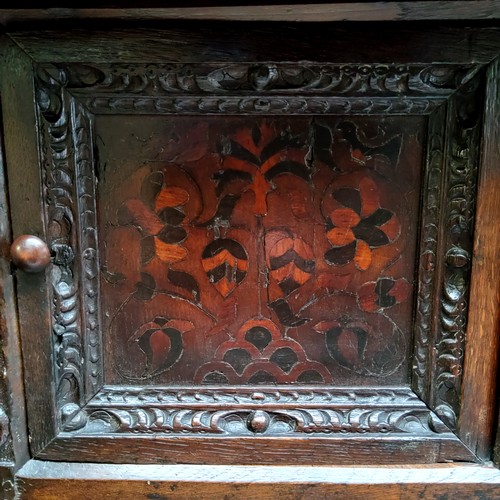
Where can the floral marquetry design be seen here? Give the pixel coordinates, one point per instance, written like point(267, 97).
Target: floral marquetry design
point(245, 239)
point(359, 225)
point(226, 263)
point(260, 355)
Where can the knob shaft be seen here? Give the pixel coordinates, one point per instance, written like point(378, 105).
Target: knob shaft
point(30, 253)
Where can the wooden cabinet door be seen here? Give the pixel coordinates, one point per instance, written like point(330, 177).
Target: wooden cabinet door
point(262, 243)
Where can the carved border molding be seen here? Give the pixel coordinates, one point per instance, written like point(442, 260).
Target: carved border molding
point(262, 88)
point(117, 395)
point(68, 189)
point(260, 105)
point(446, 250)
point(273, 77)
point(461, 168)
point(429, 258)
point(68, 97)
point(82, 127)
point(247, 412)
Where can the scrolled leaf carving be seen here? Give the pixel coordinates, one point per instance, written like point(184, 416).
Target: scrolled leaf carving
point(68, 191)
point(306, 78)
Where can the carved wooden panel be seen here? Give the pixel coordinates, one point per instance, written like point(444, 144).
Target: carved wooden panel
point(274, 252)
point(258, 250)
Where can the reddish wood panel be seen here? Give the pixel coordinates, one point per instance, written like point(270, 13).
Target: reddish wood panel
point(253, 251)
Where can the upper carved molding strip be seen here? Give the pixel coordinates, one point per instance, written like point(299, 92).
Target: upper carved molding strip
point(272, 78)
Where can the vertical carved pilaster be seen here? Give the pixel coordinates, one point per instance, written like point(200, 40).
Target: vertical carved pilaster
point(457, 222)
point(428, 261)
point(87, 235)
point(69, 198)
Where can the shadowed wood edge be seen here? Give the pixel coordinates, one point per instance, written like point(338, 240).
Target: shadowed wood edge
point(314, 12)
point(482, 341)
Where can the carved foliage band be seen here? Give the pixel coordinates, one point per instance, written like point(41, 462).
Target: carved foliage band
point(70, 214)
point(276, 78)
point(376, 411)
point(263, 88)
point(446, 249)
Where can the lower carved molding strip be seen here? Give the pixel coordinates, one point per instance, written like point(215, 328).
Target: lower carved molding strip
point(271, 412)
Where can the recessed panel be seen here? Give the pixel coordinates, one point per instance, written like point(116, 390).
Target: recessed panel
point(258, 250)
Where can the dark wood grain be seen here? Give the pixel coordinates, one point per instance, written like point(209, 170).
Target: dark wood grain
point(366, 43)
point(46, 480)
point(482, 342)
point(24, 192)
point(292, 11)
point(13, 435)
point(309, 450)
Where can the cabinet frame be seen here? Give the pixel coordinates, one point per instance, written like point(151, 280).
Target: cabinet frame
point(63, 212)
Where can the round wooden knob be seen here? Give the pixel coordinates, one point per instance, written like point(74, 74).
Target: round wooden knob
point(30, 253)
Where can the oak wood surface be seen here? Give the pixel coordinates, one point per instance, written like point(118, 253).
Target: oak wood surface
point(45, 480)
point(251, 450)
point(483, 339)
point(13, 435)
point(224, 41)
point(293, 11)
point(24, 194)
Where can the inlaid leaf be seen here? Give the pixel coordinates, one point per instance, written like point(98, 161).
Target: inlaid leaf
point(161, 341)
point(285, 314)
point(148, 249)
point(172, 234)
point(225, 177)
point(291, 262)
point(346, 343)
point(349, 197)
point(112, 278)
point(168, 252)
point(171, 215)
point(288, 167)
point(322, 144)
point(361, 152)
point(225, 262)
point(186, 281)
point(145, 289)
point(339, 256)
point(171, 196)
point(223, 212)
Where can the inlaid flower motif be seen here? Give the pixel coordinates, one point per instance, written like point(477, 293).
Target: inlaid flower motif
point(159, 214)
point(359, 225)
